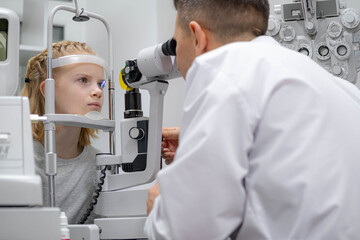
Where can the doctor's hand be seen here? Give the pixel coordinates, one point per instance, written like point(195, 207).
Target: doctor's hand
point(153, 192)
point(170, 143)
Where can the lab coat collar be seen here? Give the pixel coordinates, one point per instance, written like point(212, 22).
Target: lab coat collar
point(259, 39)
point(266, 39)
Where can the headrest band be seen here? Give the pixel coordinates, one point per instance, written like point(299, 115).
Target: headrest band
point(81, 58)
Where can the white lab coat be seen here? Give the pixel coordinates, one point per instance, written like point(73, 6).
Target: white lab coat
point(269, 146)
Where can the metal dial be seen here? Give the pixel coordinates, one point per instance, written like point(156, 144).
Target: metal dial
point(350, 18)
point(342, 50)
point(305, 49)
point(287, 33)
point(322, 51)
point(340, 70)
point(334, 29)
point(273, 26)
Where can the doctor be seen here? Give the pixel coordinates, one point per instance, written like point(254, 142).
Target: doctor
point(269, 140)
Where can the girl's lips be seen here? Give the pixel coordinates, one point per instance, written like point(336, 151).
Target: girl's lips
point(94, 105)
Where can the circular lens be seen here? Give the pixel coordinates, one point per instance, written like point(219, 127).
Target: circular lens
point(323, 51)
point(341, 50)
point(304, 51)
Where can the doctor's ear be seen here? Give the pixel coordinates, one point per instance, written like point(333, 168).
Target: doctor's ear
point(42, 88)
point(201, 38)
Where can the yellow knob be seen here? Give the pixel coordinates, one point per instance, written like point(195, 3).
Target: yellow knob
point(121, 81)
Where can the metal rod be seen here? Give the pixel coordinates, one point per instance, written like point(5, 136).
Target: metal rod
point(52, 190)
point(77, 12)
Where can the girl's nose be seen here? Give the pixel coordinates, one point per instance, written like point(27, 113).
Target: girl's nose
point(96, 91)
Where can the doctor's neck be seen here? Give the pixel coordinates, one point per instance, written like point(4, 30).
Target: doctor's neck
point(215, 42)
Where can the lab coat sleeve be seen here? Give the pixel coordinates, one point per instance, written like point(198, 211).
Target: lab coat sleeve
point(202, 192)
point(155, 228)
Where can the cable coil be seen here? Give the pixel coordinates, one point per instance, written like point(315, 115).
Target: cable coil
point(95, 196)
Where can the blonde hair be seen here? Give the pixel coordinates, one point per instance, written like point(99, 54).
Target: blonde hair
point(37, 73)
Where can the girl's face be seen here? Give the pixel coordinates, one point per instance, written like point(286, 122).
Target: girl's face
point(79, 89)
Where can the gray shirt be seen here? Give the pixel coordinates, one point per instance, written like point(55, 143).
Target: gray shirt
point(74, 182)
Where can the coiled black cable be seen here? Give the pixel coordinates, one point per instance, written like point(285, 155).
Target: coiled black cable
point(95, 196)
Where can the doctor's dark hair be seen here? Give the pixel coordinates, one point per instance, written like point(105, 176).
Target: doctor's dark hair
point(227, 19)
point(37, 73)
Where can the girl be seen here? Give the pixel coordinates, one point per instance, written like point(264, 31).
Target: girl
point(78, 90)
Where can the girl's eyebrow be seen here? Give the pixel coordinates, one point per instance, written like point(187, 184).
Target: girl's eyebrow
point(81, 74)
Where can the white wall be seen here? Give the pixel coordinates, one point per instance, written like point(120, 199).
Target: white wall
point(174, 98)
point(15, 5)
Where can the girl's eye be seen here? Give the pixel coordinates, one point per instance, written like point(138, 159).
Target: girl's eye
point(101, 84)
point(83, 80)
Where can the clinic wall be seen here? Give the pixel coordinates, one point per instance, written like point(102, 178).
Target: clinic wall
point(174, 98)
point(15, 5)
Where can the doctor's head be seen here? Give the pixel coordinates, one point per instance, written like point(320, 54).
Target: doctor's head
point(203, 25)
point(78, 86)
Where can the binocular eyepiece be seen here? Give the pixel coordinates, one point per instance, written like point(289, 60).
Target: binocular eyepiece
point(169, 47)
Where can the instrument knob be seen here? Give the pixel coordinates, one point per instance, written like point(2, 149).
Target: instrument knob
point(273, 26)
point(350, 18)
point(337, 70)
point(136, 133)
point(334, 29)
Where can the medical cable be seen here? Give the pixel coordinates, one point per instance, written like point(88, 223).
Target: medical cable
point(95, 196)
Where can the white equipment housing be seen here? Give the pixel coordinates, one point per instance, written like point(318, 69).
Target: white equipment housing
point(19, 186)
point(9, 57)
point(21, 214)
